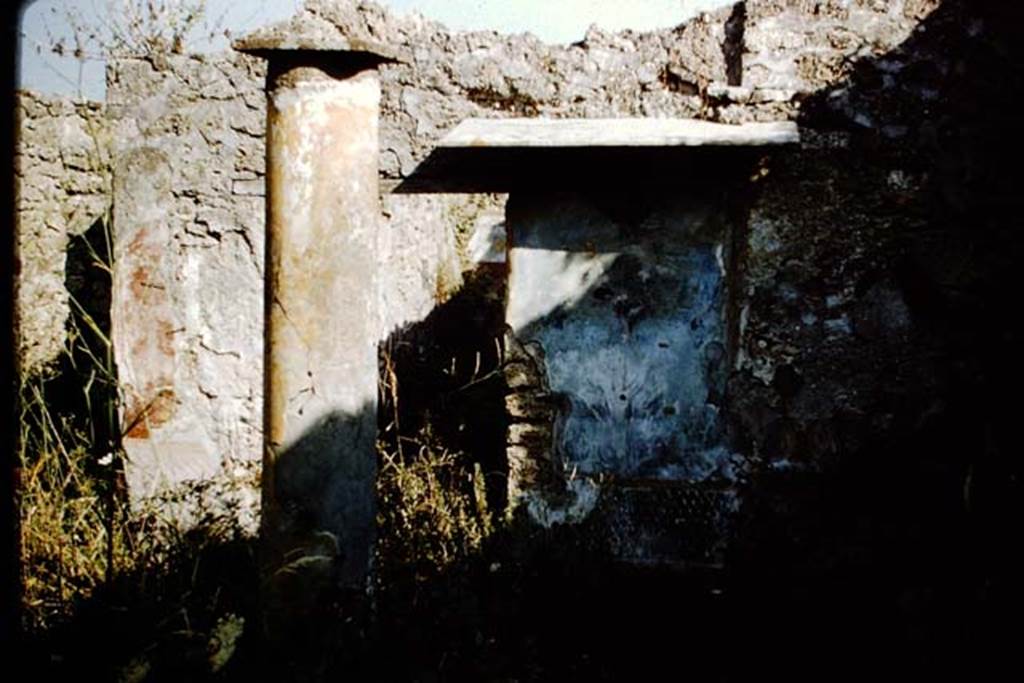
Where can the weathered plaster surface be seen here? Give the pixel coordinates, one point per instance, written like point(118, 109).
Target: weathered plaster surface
point(618, 340)
point(197, 231)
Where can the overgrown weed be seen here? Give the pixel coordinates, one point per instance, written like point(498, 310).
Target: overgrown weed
point(73, 534)
point(433, 510)
point(125, 593)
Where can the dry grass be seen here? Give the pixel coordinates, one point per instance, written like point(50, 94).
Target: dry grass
point(71, 527)
point(74, 537)
point(432, 503)
point(127, 595)
point(94, 570)
point(433, 509)
point(77, 534)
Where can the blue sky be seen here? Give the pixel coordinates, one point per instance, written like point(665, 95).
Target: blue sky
point(560, 21)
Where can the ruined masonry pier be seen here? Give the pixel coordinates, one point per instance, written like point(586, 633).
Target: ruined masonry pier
point(621, 266)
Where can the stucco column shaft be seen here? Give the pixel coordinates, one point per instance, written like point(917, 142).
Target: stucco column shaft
point(321, 339)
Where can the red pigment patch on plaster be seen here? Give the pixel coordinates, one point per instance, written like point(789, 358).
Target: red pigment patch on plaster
point(146, 415)
point(153, 402)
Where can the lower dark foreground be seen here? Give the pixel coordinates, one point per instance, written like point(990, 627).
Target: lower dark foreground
point(552, 609)
point(564, 620)
point(820, 582)
point(571, 623)
point(875, 594)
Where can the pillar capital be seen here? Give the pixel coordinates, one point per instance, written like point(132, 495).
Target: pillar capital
point(308, 49)
point(315, 42)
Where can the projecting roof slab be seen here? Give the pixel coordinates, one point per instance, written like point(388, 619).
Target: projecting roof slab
point(630, 133)
point(503, 155)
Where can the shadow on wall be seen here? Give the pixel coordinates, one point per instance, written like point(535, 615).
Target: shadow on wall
point(510, 169)
point(88, 283)
point(892, 486)
point(444, 376)
point(311, 583)
point(884, 488)
point(83, 386)
point(883, 505)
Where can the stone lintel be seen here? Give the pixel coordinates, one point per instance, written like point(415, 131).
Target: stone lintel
point(627, 132)
point(509, 155)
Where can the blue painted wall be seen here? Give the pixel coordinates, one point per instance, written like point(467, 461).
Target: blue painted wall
point(623, 297)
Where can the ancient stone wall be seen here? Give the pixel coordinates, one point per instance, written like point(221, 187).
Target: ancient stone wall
point(851, 255)
point(873, 286)
point(196, 123)
point(877, 262)
point(200, 121)
point(63, 189)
